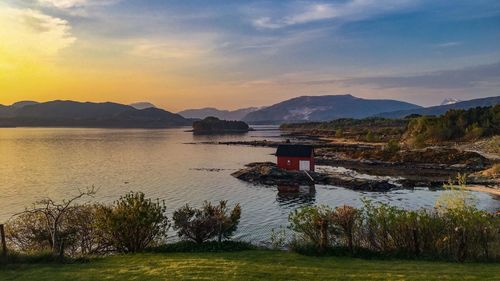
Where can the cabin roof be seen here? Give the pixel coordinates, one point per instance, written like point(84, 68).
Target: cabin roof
point(294, 150)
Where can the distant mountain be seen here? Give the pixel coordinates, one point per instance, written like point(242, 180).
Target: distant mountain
point(322, 108)
point(202, 113)
point(88, 114)
point(142, 105)
point(448, 101)
point(20, 104)
point(441, 109)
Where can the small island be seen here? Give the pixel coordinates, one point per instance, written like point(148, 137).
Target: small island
point(213, 125)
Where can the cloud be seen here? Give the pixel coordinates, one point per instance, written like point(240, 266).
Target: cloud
point(166, 50)
point(173, 48)
point(468, 77)
point(69, 4)
point(27, 33)
point(448, 44)
point(351, 10)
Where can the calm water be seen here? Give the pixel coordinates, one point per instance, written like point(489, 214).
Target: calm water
point(40, 162)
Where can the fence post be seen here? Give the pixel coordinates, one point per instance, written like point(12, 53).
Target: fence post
point(4, 243)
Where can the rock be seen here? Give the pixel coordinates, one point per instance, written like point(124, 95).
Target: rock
point(268, 173)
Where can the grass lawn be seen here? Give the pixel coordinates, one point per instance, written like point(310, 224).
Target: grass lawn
point(249, 265)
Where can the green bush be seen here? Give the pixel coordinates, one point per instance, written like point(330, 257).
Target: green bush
point(200, 225)
point(133, 223)
point(313, 224)
point(458, 234)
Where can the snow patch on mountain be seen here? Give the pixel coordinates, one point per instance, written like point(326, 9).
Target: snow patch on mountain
point(447, 101)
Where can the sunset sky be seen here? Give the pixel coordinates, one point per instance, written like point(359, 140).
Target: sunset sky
point(232, 54)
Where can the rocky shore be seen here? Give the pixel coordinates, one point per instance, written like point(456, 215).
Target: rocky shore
point(268, 173)
point(430, 167)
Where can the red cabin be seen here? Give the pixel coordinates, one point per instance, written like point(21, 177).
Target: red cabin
point(295, 157)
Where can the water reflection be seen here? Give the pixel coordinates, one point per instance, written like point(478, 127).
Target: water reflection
point(295, 195)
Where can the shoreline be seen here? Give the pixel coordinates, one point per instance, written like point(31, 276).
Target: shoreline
point(485, 189)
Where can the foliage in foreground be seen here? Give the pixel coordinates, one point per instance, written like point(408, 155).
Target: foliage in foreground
point(461, 233)
point(200, 225)
point(132, 223)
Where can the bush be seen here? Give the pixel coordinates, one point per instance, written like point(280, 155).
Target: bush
point(200, 225)
point(133, 223)
point(392, 147)
point(314, 225)
point(370, 137)
point(458, 233)
point(347, 220)
point(59, 227)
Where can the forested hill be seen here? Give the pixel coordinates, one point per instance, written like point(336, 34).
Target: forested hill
point(87, 114)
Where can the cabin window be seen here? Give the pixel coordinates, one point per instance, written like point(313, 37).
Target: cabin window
point(288, 162)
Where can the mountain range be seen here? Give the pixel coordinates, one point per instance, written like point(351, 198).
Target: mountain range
point(203, 113)
point(441, 109)
point(87, 114)
point(321, 108)
point(145, 115)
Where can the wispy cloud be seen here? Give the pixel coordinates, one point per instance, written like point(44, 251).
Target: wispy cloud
point(167, 50)
point(448, 44)
point(468, 77)
point(68, 4)
point(351, 10)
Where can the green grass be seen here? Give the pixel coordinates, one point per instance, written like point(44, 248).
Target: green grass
point(249, 265)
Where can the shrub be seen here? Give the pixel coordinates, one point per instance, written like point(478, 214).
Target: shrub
point(50, 226)
point(133, 222)
point(370, 137)
point(456, 233)
point(200, 225)
point(392, 147)
point(278, 238)
point(314, 225)
point(347, 220)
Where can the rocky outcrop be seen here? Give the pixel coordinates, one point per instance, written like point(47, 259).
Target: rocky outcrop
point(268, 173)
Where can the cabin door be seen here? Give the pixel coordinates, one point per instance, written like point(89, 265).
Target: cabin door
point(304, 165)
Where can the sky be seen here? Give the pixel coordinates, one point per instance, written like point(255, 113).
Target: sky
point(234, 54)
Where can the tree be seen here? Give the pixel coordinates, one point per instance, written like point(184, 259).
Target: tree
point(369, 136)
point(133, 222)
point(46, 223)
point(346, 217)
point(227, 222)
point(314, 224)
point(200, 225)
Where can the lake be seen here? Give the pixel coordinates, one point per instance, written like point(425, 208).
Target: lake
point(165, 164)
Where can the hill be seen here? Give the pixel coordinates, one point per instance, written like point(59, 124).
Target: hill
point(322, 108)
point(20, 104)
point(454, 125)
point(441, 109)
point(87, 114)
point(203, 113)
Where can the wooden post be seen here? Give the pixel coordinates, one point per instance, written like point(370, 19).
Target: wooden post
point(4, 243)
